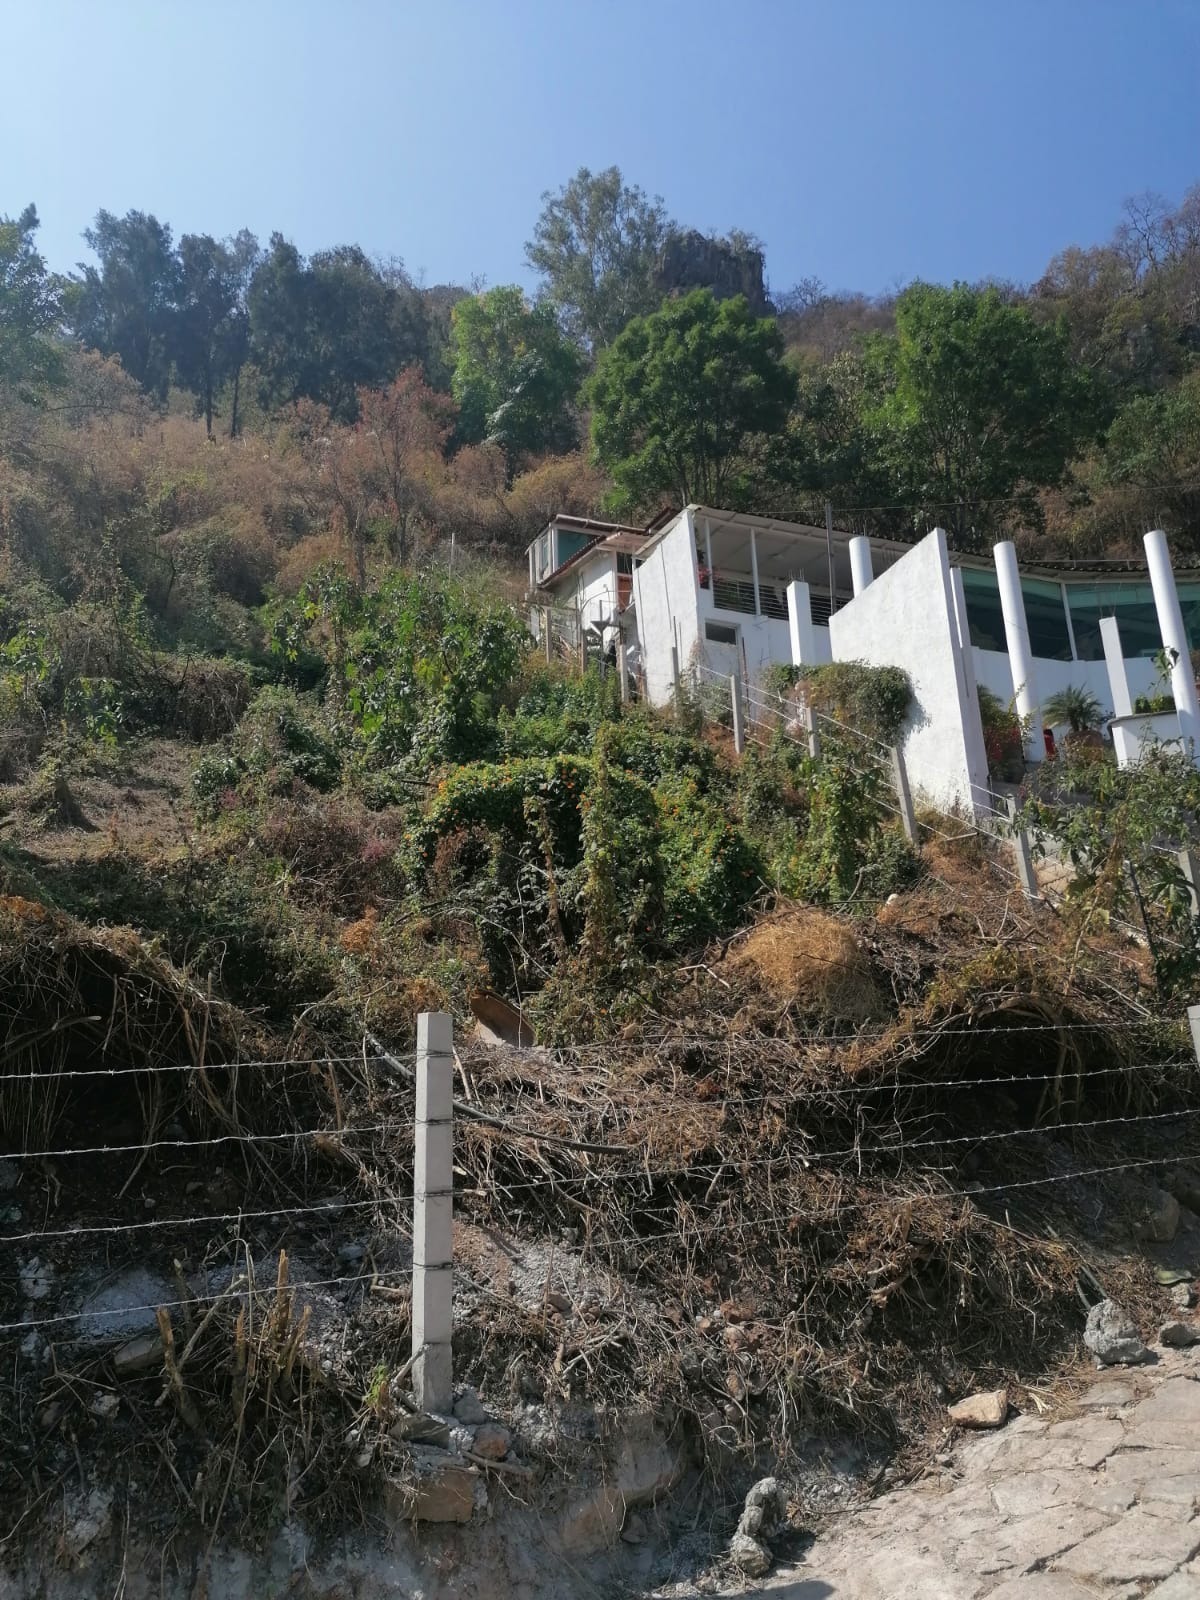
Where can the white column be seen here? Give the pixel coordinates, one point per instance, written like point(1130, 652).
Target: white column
point(433, 1216)
point(1114, 660)
point(1020, 654)
point(712, 585)
point(754, 573)
point(1174, 637)
point(622, 670)
point(861, 571)
point(800, 624)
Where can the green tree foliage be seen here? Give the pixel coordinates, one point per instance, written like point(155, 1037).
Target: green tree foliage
point(683, 397)
point(515, 375)
point(30, 309)
point(975, 407)
point(595, 244)
point(213, 327)
point(322, 329)
point(127, 305)
point(1153, 454)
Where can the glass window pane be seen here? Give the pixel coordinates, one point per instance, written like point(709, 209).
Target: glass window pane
point(1133, 606)
point(981, 591)
point(1046, 619)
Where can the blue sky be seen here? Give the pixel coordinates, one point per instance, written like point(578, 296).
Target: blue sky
point(867, 141)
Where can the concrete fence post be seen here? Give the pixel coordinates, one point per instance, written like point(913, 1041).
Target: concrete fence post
point(1194, 1024)
point(622, 672)
point(1190, 867)
point(675, 677)
point(810, 727)
point(1022, 852)
point(548, 626)
point(433, 1216)
point(735, 703)
point(904, 796)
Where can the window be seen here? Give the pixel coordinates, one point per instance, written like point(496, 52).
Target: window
point(1133, 606)
point(720, 632)
point(1044, 614)
point(981, 590)
point(624, 564)
point(1046, 619)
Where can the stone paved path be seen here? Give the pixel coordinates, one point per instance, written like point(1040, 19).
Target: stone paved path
point(1101, 1503)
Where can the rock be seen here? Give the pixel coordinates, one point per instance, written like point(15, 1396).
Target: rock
point(763, 1512)
point(351, 1252)
point(137, 1355)
point(750, 1556)
point(37, 1278)
point(421, 1428)
point(10, 1175)
point(86, 1518)
point(647, 1462)
point(1183, 1296)
point(690, 260)
point(1161, 1222)
point(124, 1306)
point(105, 1405)
point(491, 1441)
point(1179, 1335)
point(981, 1410)
point(469, 1408)
point(441, 1489)
point(1112, 1336)
point(634, 1531)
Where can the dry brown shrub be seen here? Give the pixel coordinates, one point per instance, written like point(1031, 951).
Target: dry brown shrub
point(298, 563)
point(813, 961)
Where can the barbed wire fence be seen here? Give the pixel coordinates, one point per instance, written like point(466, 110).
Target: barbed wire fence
point(621, 1166)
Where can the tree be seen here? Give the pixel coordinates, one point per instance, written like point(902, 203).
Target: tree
point(212, 331)
point(595, 244)
point(324, 328)
point(680, 398)
point(515, 375)
point(406, 426)
point(973, 407)
point(1152, 458)
point(126, 307)
point(30, 309)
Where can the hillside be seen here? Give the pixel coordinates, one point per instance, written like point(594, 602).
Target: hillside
point(800, 1131)
point(819, 1130)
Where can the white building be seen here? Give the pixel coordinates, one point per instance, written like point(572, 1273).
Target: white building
point(707, 591)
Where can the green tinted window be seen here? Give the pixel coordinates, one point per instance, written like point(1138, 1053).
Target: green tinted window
point(1044, 614)
point(1046, 619)
point(1133, 606)
point(984, 617)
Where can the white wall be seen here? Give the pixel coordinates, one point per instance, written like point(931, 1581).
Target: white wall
point(993, 670)
point(596, 590)
point(665, 588)
point(906, 618)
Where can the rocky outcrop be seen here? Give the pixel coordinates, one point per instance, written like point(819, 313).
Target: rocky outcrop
point(690, 260)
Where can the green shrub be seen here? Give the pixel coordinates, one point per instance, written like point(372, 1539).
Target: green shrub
point(281, 740)
point(873, 700)
point(711, 869)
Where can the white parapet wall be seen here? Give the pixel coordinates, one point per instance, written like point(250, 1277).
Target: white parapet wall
point(906, 618)
point(665, 587)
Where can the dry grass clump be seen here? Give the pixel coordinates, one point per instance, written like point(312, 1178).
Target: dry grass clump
point(811, 962)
